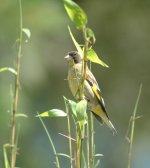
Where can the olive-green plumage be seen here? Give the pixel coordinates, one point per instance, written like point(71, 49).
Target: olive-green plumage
point(92, 91)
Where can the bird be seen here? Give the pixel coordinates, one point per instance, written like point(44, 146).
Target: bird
point(92, 92)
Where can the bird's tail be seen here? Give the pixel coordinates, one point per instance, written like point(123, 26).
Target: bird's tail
point(103, 117)
point(110, 125)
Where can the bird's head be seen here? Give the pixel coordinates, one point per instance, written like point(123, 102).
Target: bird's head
point(73, 56)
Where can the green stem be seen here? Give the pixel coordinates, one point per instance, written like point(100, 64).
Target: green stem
point(51, 142)
point(69, 134)
point(84, 160)
point(77, 148)
point(88, 146)
point(133, 118)
point(16, 94)
point(81, 151)
point(92, 140)
point(79, 137)
point(84, 63)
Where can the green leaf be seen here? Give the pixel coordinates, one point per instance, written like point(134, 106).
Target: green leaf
point(78, 109)
point(72, 104)
point(79, 49)
point(8, 69)
point(93, 57)
point(81, 110)
point(73, 107)
point(52, 113)
point(76, 14)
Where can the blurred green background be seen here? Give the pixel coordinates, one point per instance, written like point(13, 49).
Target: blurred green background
point(122, 30)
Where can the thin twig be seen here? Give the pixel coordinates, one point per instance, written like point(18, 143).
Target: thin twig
point(133, 118)
point(51, 142)
point(16, 94)
point(67, 137)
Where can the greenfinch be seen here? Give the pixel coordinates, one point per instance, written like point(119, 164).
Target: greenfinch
point(92, 91)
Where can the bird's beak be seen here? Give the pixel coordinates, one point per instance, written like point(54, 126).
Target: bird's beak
point(67, 57)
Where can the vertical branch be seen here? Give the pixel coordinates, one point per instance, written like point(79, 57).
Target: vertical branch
point(86, 45)
point(16, 94)
point(133, 118)
point(81, 95)
point(84, 60)
point(84, 67)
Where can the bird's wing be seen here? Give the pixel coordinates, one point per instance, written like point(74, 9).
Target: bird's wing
point(96, 90)
point(91, 78)
point(98, 96)
point(99, 110)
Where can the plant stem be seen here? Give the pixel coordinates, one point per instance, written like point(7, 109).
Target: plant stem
point(81, 151)
point(79, 133)
point(16, 94)
point(84, 67)
point(51, 142)
point(69, 134)
point(77, 148)
point(88, 146)
point(92, 141)
point(84, 160)
point(133, 118)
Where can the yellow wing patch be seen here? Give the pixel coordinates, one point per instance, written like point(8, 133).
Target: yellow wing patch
point(98, 111)
point(95, 90)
